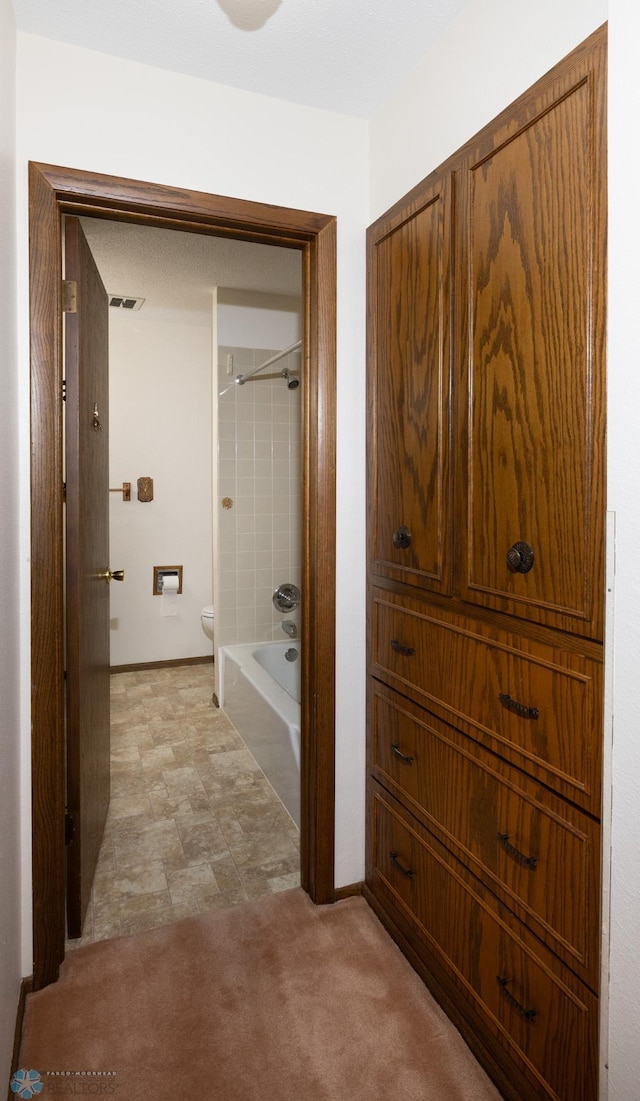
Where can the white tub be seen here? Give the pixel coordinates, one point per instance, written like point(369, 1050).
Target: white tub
point(260, 691)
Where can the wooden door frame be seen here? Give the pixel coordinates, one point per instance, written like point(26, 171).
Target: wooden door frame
point(53, 192)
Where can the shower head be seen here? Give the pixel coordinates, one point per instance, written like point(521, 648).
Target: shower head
point(292, 381)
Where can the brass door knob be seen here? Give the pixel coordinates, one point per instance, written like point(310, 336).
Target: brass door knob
point(112, 575)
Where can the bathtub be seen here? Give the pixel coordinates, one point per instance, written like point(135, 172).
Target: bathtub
point(260, 691)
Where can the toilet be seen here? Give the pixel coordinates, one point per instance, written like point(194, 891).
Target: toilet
point(206, 619)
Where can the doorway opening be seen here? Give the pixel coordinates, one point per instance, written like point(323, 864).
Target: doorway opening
point(202, 814)
point(53, 193)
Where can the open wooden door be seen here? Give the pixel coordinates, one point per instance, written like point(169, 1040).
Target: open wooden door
point(87, 572)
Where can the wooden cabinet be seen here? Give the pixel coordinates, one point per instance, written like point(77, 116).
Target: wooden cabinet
point(539, 854)
point(530, 321)
point(533, 702)
point(410, 333)
point(486, 341)
point(545, 1019)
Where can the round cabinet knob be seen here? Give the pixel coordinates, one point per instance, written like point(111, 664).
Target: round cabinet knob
point(520, 558)
point(402, 538)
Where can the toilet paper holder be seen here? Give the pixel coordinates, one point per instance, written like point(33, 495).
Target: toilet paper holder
point(159, 574)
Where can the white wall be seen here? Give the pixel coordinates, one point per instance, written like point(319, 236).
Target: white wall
point(494, 53)
point(145, 123)
point(250, 319)
point(160, 379)
point(624, 499)
point(10, 970)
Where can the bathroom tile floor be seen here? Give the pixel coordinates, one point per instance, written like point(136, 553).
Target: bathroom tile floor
point(193, 823)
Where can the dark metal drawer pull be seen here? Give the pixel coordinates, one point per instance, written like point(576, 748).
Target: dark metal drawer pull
point(528, 861)
point(400, 648)
point(520, 709)
point(401, 756)
point(528, 1015)
point(406, 872)
point(520, 557)
point(402, 537)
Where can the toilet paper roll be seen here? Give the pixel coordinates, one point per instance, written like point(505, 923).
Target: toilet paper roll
point(169, 598)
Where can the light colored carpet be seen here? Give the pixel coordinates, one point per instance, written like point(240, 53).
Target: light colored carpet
point(274, 1000)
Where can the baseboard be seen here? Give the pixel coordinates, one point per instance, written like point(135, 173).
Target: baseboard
point(26, 986)
point(206, 660)
point(350, 891)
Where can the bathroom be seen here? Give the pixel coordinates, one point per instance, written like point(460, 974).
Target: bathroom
point(224, 519)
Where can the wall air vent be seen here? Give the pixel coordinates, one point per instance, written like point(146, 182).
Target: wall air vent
point(125, 302)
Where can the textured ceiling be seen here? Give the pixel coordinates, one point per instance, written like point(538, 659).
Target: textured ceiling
point(173, 270)
point(342, 55)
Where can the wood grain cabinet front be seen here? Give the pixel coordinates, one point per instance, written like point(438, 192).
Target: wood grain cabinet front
point(530, 304)
point(486, 339)
point(538, 854)
point(536, 704)
point(409, 393)
point(536, 1010)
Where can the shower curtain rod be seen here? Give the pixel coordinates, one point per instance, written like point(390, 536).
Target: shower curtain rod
point(241, 379)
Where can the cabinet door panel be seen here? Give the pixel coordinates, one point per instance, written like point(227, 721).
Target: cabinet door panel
point(409, 305)
point(531, 304)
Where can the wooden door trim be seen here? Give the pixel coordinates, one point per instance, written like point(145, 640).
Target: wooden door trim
point(54, 191)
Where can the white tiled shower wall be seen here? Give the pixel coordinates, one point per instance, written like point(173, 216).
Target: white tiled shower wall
point(260, 471)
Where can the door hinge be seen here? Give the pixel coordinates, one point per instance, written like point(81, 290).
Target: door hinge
point(69, 296)
point(69, 828)
point(64, 497)
point(64, 389)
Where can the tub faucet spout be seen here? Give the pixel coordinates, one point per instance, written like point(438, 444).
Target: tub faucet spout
point(289, 628)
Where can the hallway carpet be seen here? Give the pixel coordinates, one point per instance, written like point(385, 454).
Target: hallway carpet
point(273, 1000)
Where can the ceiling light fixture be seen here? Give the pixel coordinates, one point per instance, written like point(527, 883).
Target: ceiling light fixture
point(249, 15)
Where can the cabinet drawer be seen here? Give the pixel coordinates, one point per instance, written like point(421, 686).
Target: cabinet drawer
point(532, 703)
point(538, 853)
point(537, 1010)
